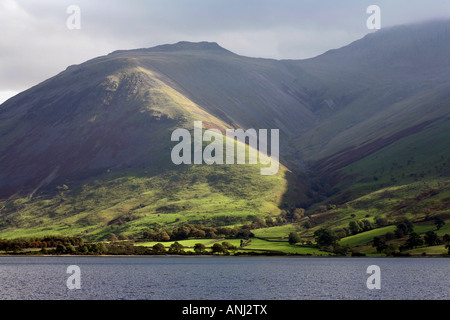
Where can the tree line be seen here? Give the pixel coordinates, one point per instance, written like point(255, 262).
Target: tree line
point(42, 243)
point(202, 232)
point(189, 231)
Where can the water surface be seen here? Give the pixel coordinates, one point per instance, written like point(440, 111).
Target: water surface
point(214, 278)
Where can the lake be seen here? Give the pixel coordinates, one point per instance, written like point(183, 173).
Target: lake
point(217, 278)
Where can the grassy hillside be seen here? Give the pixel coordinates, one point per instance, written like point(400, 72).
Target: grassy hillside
point(417, 157)
point(129, 203)
point(419, 202)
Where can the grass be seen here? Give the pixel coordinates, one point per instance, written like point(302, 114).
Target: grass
point(256, 245)
point(275, 233)
point(414, 201)
point(141, 200)
point(283, 246)
point(184, 243)
point(364, 237)
point(401, 163)
point(433, 250)
point(422, 228)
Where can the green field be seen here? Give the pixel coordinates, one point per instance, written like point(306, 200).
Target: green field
point(275, 233)
point(255, 245)
point(184, 243)
point(433, 250)
point(283, 246)
point(364, 237)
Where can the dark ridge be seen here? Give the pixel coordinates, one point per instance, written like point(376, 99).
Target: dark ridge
point(182, 46)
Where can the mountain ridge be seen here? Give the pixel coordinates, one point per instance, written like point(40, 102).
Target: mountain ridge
point(212, 47)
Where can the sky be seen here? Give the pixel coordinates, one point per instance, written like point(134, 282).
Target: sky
point(36, 42)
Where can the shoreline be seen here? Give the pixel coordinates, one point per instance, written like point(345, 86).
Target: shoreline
point(220, 256)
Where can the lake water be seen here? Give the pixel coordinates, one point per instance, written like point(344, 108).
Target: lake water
point(217, 278)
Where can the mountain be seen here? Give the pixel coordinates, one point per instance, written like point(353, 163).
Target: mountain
point(92, 145)
point(386, 103)
point(87, 152)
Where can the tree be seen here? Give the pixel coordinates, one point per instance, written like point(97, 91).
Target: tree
point(381, 222)
point(269, 222)
point(404, 228)
point(307, 225)
point(228, 246)
point(123, 237)
point(294, 238)
point(341, 250)
point(439, 222)
point(60, 249)
point(199, 234)
point(413, 241)
point(409, 226)
point(367, 225)
point(391, 249)
point(217, 248)
point(163, 236)
point(341, 233)
point(181, 233)
point(70, 249)
point(159, 249)
point(298, 214)
point(431, 238)
point(389, 236)
point(379, 244)
point(199, 248)
point(325, 237)
point(280, 220)
point(399, 233)
point(83, 249)
point(446, 238)
point(258, 222)
point(99, 248)
point(112, 237)
point(176, 248)
point(356, 226)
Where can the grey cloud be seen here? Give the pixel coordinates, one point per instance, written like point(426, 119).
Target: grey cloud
point(36, 44)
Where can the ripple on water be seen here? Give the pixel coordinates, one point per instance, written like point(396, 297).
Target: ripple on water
point(215, 278)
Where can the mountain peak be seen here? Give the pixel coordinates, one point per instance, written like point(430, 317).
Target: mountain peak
point(183, 46)
point(419, 49)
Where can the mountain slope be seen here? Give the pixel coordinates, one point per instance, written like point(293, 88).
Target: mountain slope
point(380, 91)
point(244, 92)
point(91, 146)
point(101, 123)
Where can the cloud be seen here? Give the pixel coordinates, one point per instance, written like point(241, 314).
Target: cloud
point(5, 95)
point(36, 43)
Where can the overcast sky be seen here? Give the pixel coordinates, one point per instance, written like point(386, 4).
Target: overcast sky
point(35, 42)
